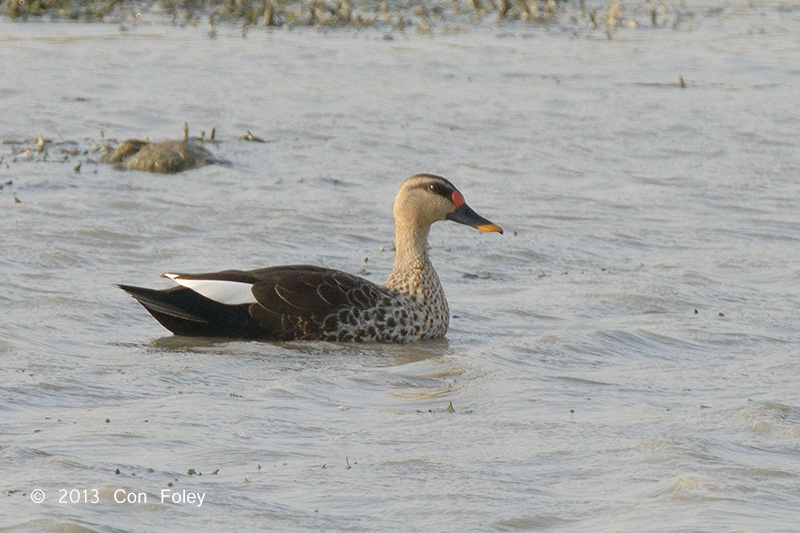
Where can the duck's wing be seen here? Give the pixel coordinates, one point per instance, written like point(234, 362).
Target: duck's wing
point(279, 303)
point(312, 290)
point(304, 302)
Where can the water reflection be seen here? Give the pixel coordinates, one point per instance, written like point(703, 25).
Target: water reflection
point(371, 354)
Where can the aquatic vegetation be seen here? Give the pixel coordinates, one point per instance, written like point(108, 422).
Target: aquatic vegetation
point(448, 15)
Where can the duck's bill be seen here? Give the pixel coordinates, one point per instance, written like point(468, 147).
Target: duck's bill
point(465, 215)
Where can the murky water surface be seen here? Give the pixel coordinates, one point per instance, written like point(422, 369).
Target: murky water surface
point(625, 357)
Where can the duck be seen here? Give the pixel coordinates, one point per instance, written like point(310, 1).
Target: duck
point(312, 303)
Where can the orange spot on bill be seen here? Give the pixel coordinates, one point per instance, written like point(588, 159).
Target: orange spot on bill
point(491, 227)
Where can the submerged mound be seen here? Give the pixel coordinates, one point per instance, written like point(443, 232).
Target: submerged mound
point(166, 157)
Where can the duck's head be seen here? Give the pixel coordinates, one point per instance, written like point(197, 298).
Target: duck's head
point(424, 199)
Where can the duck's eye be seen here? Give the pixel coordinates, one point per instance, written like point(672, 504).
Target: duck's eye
point(438, 188)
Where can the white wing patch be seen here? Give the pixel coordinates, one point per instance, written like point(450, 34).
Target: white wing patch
point(224, 292)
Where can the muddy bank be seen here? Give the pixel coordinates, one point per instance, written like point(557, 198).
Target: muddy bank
point(450, 15)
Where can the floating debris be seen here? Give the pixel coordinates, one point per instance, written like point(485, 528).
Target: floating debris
point(252, 138)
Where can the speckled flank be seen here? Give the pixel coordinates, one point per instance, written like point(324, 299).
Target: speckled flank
point(395, 318)
point(412, 308)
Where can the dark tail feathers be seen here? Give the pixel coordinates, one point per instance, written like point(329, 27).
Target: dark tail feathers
point(185, 312)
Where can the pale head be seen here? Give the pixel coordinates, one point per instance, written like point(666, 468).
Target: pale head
point(425, 198)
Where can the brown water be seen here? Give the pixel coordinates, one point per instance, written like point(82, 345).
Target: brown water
point(625, 357)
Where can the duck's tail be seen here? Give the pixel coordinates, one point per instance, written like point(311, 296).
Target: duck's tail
point(185, 312)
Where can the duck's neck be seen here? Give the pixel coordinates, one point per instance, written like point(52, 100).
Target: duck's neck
point(414, 276)
point(413, 272)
